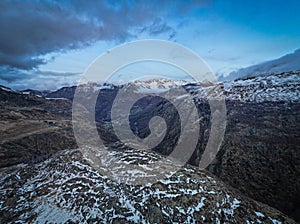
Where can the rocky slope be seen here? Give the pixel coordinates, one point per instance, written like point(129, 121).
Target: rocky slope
point(66, 189)
point(282, 87)
point(260, 152)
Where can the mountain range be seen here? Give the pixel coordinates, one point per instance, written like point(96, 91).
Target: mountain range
point(253, 179)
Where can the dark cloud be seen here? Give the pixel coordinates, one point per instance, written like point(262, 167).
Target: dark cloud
point(36, 79)
point(8, 75)
point(31, 29)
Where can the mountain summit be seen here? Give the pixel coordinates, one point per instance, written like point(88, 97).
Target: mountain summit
point(286, 63)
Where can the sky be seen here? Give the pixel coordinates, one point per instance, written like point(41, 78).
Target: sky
point(49, 44)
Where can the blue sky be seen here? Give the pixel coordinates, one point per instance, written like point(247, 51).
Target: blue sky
point(48, 44)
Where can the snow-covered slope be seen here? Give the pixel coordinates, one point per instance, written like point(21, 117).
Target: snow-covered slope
point(154, 85)
point(66, 189)
point(277, 87)
point(7, 89)
point(269, 88)
point(289, 62)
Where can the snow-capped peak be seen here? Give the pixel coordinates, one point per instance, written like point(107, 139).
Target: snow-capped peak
point(286, 63)
point(156, 85)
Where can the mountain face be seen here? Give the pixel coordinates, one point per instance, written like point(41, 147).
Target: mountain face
point(36, 92)
point(155, 85)
point(282, 87)
point(89, 88)
point(289, 62)
point(65, 92)
point(261, 142)
point(259, 156)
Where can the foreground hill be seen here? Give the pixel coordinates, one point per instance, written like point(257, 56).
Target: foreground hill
point(66, 189)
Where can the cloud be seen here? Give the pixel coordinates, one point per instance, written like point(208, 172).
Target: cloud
point(36, 79)
point(31, 29)
point(9, 75)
